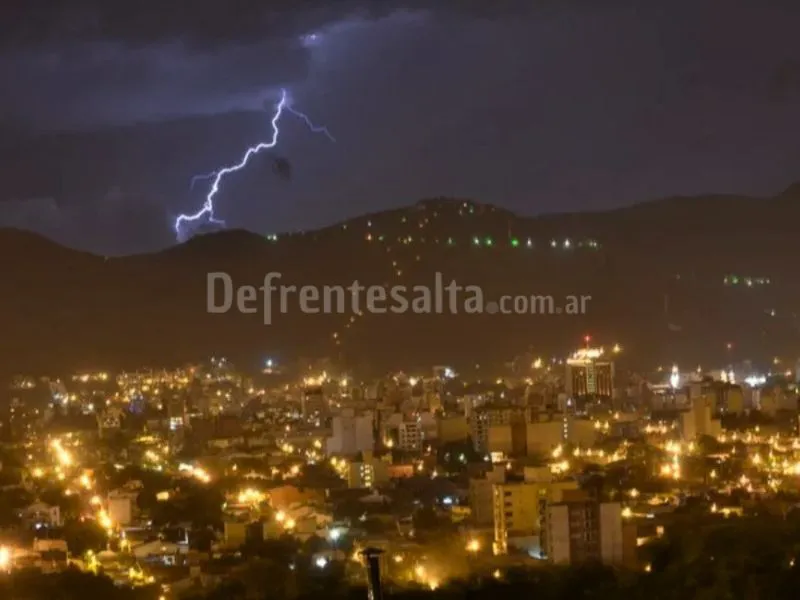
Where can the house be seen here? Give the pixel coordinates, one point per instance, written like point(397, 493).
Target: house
point(41, 514)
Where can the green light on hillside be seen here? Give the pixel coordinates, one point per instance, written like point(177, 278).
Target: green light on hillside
point(488, 241)
point(514, 243)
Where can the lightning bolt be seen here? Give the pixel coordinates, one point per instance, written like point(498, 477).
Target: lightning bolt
point(216, 177)
point(311, 126)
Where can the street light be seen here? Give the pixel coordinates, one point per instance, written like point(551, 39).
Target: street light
point(473, 546)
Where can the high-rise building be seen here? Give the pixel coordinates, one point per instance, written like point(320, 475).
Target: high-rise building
point(698, 420)
point(590, 374)
point(351, 434)
point(176, 412)
point(516, 512)
point(519, 509)
point(588, 531)
point(313, 401)
point(483, 419)
point(367, 473)
point(410, 435)
point(481, 499)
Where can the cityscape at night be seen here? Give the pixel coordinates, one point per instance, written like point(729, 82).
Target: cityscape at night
point(399, 300)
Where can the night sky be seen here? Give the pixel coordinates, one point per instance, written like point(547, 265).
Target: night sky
point(107, 112)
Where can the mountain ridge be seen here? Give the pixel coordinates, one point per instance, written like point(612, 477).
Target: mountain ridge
point(788, 194)
point(670, 279)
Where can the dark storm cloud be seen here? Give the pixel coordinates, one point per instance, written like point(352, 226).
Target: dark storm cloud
point(91, 63)
point(207, 22)
point(99, 83)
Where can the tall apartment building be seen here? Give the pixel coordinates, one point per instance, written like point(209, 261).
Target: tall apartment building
point(481, 498)
point(519, 509)
point(410, 435)
point(351, 434)
point(590, 373)
point(587, 531)
point(698, 420)
point(487, 417)
point(367, 473)
point(313, 401)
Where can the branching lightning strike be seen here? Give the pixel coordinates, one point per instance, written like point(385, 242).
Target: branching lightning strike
point(207, 210)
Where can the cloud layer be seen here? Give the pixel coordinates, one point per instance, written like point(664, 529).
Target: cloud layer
point(94, 63)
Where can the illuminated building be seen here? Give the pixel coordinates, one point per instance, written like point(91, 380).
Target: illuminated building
point(40, 514)
point(109, 420)
point(121, 505)
point(773, 400)
point(487, 417)
point(351, 434)
point(581, 531)
point(519, 510)
point(698, 421)
point(313, 401)
point(589, 373)
point(509, 440)
point(481, 498)
point(410, 436)
point(543, 436)
point(452, 429)
point(176, 413)
point(516, 512)
point(367, 473)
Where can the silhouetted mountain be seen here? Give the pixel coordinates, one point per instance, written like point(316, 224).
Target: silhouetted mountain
point(679, 277)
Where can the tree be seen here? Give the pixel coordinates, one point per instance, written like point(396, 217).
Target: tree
point(82, 536)
point(425, 519)
point(202, 539)
point(455, 456)
point(11, 502)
